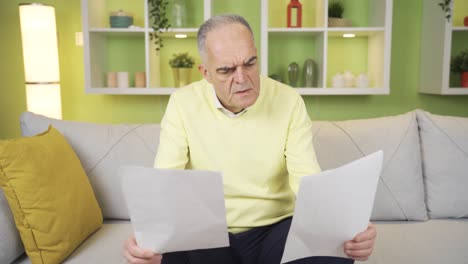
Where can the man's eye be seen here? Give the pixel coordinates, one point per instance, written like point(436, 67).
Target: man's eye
point(224, 71)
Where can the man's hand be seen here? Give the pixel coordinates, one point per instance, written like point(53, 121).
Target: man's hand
point(136, 255)
point(360, 248)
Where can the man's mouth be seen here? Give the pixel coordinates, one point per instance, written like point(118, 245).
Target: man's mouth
point(243, 91)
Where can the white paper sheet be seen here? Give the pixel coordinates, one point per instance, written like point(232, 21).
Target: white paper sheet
point(332, 207)
point(175, 210)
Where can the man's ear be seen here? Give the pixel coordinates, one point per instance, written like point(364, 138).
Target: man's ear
point(204, 71)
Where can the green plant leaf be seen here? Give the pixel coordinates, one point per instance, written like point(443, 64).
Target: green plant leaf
point(181, 60)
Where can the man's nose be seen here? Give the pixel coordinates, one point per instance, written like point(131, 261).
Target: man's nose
point(240, 74)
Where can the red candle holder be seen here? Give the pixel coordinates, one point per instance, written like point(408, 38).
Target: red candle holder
point(464, 79)
point(294, 14)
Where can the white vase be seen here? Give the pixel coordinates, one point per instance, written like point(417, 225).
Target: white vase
point(179, 14)
point(348, 79)
point(362, 81)
point(338, 81)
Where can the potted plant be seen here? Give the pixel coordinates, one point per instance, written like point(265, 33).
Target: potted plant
point(158, 20)
point(335, 15)
point(459, 64)
point(181, 64)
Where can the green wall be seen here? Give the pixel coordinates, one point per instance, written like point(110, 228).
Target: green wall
point(146, 109)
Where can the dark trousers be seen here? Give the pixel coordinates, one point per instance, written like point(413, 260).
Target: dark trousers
point(261, 245)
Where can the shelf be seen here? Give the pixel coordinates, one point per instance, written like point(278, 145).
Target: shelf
point(342, 91)
point(368, 31)
point(118, 31)
point(456, 91)
point(460, 29)
point(295, 33)
point(132, 49)
point(367, 52)
point(136, 91)
point(290, 30)
point(190, 32)
point(441, 40)
point(361, 54)
point(112, 30)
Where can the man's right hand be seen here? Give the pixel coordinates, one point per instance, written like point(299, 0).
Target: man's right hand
point(136, 255)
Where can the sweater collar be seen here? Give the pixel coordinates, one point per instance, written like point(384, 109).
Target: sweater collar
point(223, 109)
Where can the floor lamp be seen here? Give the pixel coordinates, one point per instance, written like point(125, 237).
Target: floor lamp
point(41, 63)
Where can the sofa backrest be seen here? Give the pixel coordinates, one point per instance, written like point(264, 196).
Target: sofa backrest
point(444, 141)
point(400, 196)
point(400, 192)
point(439, 151)
point(102, 149)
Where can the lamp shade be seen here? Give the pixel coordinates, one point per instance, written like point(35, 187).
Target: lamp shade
point(41, 62)
point(44, 99)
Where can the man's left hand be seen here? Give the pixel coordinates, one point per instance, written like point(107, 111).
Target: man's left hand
point(360, 248)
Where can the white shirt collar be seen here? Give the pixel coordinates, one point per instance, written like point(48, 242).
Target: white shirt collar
point(225, 111)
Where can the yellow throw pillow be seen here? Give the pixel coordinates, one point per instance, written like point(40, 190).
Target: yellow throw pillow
point(49, 194)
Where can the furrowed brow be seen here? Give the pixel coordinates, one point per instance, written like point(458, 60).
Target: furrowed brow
point(225, 69)
point(252, 59)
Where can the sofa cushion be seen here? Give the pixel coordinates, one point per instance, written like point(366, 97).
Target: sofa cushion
point(10, 241)
point(105, 246)
point(400, 192)
point(102, 149)
point(431, 242)
point(49, 194)
point(444, 143)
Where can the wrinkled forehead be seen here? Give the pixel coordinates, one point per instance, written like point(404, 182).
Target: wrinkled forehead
point(230, 28)
point(231, 43)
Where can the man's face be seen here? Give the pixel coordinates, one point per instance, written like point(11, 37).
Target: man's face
point(232, 66)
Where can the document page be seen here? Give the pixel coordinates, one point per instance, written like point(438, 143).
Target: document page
point(332, 207)
point(175, 210)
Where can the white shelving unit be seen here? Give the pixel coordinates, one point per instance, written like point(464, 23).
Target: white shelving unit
point(99, 39)
point(439, 40)
point(376, 35)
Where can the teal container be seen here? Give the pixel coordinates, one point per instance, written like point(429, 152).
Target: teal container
point(120, 19)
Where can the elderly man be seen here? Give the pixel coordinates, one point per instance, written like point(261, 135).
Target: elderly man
point(254, 130)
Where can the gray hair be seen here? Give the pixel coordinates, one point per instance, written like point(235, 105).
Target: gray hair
point(213, 23)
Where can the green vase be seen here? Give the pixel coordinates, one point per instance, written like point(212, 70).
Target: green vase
point(293, 74)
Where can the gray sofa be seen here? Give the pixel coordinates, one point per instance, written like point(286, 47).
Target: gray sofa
point(419, 209)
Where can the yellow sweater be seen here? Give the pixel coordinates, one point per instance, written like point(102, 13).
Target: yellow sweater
point(262, 153)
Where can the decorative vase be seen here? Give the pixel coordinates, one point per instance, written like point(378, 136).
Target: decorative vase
point(338, 81)
point(362, 81)
point(339, 22)
point(179, 14)
point(309, 73)
point(140, 79)
point(293, 74)
point(294, 14)
point(181, 76)
point(348, 79)
point(464, 79)
point(465, 21)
